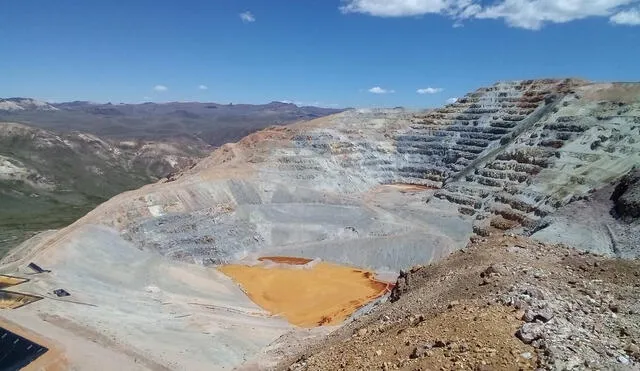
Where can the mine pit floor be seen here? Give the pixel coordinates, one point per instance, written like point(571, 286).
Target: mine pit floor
point(307, 295)
point(407, 187)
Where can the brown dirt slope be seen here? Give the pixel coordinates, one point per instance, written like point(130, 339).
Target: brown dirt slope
point(505, 302)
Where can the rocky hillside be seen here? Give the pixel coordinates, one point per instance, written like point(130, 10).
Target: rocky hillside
point(536, 163)
point(66, 158)
point(48, 180)
point(510, 156)
point(213, 123)
point(627, 196)
point(503, 303)
point(24, 104)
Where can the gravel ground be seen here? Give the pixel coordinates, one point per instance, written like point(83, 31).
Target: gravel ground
point(503, 303)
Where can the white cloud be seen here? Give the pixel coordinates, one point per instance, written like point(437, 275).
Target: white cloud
point(452, 100)
point(629, 17)
point(528, 14)
point(533, 14)
point(379, 90)
point(429, 90)
point(203, 87)
point(247, 17)
point(394, 8)
point(160, 88)
point(147, 99)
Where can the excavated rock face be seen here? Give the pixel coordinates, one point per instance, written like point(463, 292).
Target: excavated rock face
point(504, 157)
point(314, 188)
point(627, 196)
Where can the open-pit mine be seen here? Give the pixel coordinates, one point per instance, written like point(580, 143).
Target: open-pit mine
point(293, 232)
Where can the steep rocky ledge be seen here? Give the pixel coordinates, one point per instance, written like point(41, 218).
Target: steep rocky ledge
point(627, 196)
point(377, 189)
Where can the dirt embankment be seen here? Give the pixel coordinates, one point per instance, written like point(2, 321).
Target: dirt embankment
point(504, 303)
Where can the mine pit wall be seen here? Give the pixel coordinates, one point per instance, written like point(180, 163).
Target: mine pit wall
point(454, 139)
point(306, 200)
point(383, 147)
point(576, 147)
point(514, 150)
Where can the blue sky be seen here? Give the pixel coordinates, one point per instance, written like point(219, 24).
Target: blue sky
point(328, 52)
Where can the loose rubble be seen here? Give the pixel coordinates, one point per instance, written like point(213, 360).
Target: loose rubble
point(505, 302)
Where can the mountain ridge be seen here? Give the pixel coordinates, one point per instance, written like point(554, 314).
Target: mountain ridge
point(212, 122)
point(49, 179)
point(134, 144)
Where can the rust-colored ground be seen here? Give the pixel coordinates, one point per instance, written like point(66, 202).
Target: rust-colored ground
point(325, 294)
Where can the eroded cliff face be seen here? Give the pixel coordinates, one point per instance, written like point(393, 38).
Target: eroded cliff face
point(377, 189)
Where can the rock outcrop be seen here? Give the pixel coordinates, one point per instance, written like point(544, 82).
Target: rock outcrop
point(503, 303)
point(626, 196)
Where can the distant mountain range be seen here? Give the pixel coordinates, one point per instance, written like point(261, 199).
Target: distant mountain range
point(212, 123)
point(58, 161)
point(24, 104)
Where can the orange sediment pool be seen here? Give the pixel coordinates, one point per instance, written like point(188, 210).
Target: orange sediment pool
point(322, 294)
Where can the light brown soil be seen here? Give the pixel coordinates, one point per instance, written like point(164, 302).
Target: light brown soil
point(324, 294)
point(454, 315)
point(616, 92)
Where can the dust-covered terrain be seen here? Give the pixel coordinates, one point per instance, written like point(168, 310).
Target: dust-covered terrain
point(516, 168)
